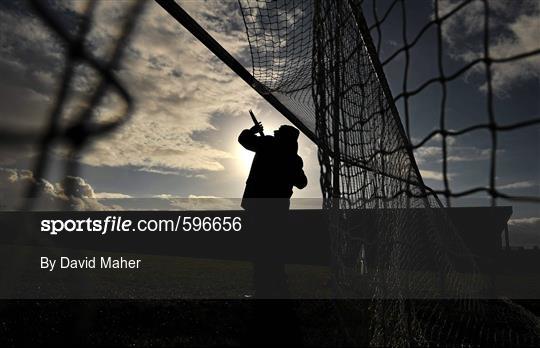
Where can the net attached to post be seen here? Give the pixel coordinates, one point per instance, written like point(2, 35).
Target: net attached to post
point(317, 58)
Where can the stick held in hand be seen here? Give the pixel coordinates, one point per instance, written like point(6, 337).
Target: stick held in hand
point(261, 133)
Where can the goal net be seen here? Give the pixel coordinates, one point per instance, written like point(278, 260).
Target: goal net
point(318, 59)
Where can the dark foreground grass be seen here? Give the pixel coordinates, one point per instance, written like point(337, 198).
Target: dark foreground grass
point(195, 320)
point(77, 323)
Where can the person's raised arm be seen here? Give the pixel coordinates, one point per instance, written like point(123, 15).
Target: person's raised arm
point(249, 139)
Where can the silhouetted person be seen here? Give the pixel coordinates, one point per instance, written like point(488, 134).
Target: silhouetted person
point(276, 168)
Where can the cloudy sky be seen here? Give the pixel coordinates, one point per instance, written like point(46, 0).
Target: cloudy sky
point(190, 107)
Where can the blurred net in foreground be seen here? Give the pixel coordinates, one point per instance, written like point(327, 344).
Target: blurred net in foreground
point(76, 130)
point(318, 59)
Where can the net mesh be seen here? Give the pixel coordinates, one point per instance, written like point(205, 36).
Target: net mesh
point(318, 59)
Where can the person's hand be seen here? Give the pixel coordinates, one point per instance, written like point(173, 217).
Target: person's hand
point(257, 128)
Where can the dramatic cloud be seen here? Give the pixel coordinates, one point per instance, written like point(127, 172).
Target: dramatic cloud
point(179, 87)
point(183, 92)
point(177, 84)
point(514, 28)
point(51, 196)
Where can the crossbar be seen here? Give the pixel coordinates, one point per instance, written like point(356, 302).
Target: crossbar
point(178, 13)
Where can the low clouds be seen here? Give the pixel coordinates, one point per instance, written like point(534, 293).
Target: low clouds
point(524, 231)
point(455, 153)
point(514, 29)
point(196, 202)
point(434, 175)
point(179, 86)
point(431, 154)
point(519, 185)
point(52, 196)
point(111, 195)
